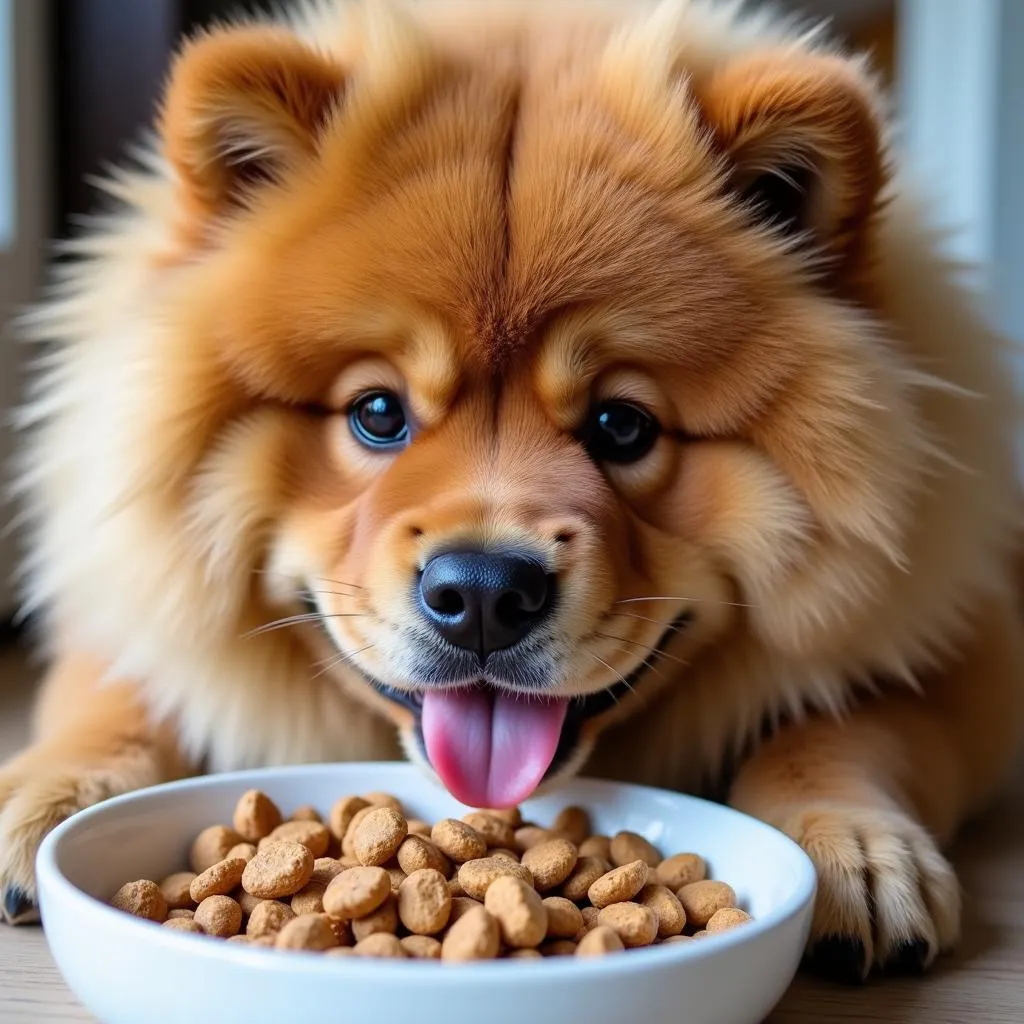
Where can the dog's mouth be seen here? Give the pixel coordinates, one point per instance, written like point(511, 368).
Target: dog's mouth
point(493, 747)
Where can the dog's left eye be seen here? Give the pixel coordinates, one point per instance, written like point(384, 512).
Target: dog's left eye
point(619, 432)
point(378, 420)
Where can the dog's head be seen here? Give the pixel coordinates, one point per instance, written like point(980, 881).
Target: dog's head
point(531, 359)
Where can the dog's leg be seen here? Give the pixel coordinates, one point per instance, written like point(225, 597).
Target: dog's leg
point(92, 741)
point(873, 797)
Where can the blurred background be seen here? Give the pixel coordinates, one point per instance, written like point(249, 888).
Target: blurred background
point(79, 78)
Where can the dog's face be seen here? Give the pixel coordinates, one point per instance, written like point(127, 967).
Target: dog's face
point(518, 375)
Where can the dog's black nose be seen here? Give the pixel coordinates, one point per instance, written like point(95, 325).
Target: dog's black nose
point(484, 602)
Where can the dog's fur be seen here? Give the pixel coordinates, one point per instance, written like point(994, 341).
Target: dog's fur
point(502, 210)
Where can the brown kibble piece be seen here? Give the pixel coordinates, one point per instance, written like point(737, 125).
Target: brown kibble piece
point(219, 915)
point(417, 853)
point(383, 800)
point(383, 919)
point(634, 924)
point(247, 901)
point(342, 930)
point(573, 823)
point(599, 941)
point(455, 886)
point(182, 924)
point(348, 842)
point(310, 931)
point(311, 834)
point(564, 918)
point(524, 954)
point(726, 918)
point(307, 812)
point(424, 902)
point(495, 831)
point(256, 816)
point(475, 936)
point(280, 869)
point(175, 890)
point(263, 942)
point(627, 847)
point(268, 918)
point(421, 947)
point(511, 815)
point(701, 900)
point(590, 916)
point(457, 840)
point(380, 944)
point(397, 876)
point(677, 938)
point(476, 875)
point(461, 905)
point(379, 835)
point(211, 846)
point(181, 914)
point(218, 880)
point(664, 902)
point(619, 885)
point(239, 938)
point(507, 854)
point(357, 892)
point(241, 851)
point(309, 900)
point(340, 951)
point(418, 828)
point(682, 869)
point(518, 910)
point(597, 846)
point(586, 872)
point(702, 934)
point(342, 813)
point(141, 899)
point(325, 870)
point(559, 947)
point(550, 863)
point(531, 835)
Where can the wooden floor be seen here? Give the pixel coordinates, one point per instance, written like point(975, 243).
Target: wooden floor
point(982, 984)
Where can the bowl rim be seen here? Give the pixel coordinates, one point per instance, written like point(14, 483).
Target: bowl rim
point(55, 886)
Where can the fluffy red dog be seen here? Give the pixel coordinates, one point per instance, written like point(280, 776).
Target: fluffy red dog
point(583, 374)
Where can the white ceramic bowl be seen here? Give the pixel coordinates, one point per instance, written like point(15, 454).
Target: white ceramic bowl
point(128, 971)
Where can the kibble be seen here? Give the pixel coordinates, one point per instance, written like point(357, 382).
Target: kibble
point(256, 816)
point(701, 900)
point(365, 880)
point(457, 840)
point(142, 899)
point(281, 869)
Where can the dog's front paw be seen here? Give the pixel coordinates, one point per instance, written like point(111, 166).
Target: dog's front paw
point(34, 801)
point(887, 898)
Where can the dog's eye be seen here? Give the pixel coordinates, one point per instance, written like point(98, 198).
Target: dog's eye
point(378, 419)
point(619, 432)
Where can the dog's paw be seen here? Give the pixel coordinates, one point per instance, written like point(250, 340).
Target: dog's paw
point(887, 898)
point(32, 803)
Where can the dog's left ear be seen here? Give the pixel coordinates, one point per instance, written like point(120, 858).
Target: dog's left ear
point(803, 136)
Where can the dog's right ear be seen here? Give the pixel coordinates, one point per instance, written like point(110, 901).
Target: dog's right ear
point(243, 106)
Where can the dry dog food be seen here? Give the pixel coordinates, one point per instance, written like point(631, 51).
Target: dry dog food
point(373, 883)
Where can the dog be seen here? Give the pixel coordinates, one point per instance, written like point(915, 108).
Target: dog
point(528, 388)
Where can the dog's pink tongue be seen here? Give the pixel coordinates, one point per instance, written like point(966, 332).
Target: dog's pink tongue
point(490, 749)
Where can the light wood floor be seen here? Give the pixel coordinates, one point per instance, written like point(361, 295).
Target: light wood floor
point(982, 984)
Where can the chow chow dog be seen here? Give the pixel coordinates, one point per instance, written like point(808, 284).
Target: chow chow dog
point(531, 387)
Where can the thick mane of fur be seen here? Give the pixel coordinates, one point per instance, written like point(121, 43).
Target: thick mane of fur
point(138, 555)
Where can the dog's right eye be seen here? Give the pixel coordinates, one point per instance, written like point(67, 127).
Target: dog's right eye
point(378, 420)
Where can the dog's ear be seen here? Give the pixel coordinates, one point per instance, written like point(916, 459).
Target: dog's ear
point(803, 137)
point(242, 107)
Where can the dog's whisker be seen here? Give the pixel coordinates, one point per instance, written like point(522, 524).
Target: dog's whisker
point(689, 600)
point(646, 618)
point(652, 652)
point(339, 583)
point(291, 576)
point(341, 658)
point(625, 682)
point(295, 620)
